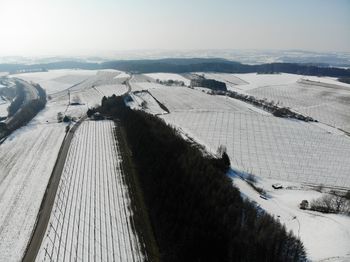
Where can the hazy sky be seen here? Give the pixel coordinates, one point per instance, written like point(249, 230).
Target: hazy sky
point(48, 27)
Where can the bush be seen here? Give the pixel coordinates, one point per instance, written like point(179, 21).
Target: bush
point(66, 119)
point(304, 204)
point(90, 112)
point(331, 203)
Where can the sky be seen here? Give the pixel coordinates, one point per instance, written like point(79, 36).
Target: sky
point(68, 27)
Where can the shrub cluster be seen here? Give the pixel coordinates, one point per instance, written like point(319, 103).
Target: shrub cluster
point(208, 83)
point(332, 203)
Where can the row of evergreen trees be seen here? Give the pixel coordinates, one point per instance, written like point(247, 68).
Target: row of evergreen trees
point(208, 83)
point(195, 211)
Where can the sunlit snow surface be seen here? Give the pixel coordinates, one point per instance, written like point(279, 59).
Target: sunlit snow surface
point(322, 98)
point(28, 156)
point(326, 237)
point(271, 147)
point(90, 219)
point(169, 76)
point(26, 161)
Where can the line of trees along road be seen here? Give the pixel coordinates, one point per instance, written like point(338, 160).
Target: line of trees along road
point(196, 212)
point(27, 112)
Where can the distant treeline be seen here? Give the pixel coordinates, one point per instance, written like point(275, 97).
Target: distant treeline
point(345, 80)
point(187, 65)
point(196, 212)
point(208, 83)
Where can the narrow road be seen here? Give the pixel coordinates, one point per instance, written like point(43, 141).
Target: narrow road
point(49, 197)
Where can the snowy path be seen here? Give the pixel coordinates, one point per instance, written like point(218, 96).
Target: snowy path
point(90, 220)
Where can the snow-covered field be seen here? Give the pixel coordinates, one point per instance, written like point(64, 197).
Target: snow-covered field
point(142, 86)
point(229, 79)
point(122, 76)
point(144, 101)
point(169, 76)
point(109, 90)
point(274, 149)
point(186, 99)
point(271, 147)
point(90, 219)
point(256, 141)
point(86, 87)
point(57, 80)
point(27, 158)
point(321, 98)
point(326, 237)
point(328, 105)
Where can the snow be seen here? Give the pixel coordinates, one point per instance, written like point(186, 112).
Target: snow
point(258, 142)
point(326, 237)
point(169, 76)
point(229, 79)
point(328, 105)
point(322, 98)
point(326, 80)
point(27, 158)
point(140, 86)
point(255, 80)
point(139, 78)
point(185, 99)
point(271, 147)
point(57, 80)
point(122, 76)
point(244, 82)
point(91, 216)
point(144, 101)
point(109, 90)
point(276, 150)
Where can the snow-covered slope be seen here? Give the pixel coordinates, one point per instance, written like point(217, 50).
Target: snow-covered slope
point(169, 76)
point(27, 158)
point(322, 98)
point(90, 219)
point(326, 237)
point(271, 147)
